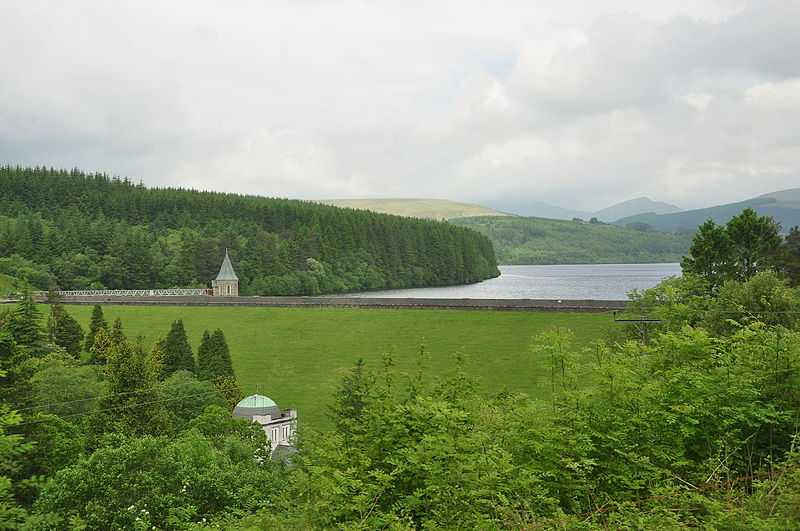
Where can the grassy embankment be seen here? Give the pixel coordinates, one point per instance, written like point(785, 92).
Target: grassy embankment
point(296, 356)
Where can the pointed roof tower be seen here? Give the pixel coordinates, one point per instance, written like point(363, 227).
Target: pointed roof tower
point(226, 271)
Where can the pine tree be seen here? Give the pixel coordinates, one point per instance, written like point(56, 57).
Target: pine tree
point(225, 366)
point(177, 352)
point(25, 323)
point(130, 404)
point(213, 357)
point(64, 330)
point(205, 357)
point(101, 347)
point(98, 322)
point(117, 334)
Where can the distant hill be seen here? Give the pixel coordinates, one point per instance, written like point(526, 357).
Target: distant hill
point(632, 207)
point(416, 208)
point(783, 206)
point(529, 240)
point(541, 209)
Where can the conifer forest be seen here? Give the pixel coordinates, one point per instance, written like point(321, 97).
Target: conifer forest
point(91, 231)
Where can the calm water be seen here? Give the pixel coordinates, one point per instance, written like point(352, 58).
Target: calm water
point(595, 281)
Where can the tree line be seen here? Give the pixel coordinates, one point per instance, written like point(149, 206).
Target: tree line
point(92, 231)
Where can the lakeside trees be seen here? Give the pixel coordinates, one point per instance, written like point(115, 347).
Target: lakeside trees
point(91, 231)
point(738, 250)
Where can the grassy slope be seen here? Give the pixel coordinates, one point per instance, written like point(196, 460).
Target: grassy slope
point(524, 240)
point(417, 208)
point(298, 355)
point(9, 284)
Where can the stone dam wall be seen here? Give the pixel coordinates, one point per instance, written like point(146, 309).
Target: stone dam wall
point(506, 305)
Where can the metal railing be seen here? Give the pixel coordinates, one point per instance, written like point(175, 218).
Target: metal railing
point(137, 292)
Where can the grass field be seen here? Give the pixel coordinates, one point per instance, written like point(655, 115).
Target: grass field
point(297, 355)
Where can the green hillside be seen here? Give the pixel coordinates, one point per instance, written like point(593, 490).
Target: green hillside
point(523, 240)
point(9, 284)
point(93, 231)
point(417, 208)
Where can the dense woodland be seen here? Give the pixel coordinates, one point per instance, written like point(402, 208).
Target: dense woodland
point(529, 240)
point(696, 429)
point(80, 231)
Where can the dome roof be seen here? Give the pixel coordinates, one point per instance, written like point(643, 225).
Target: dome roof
point(256, 401)
point(256, 405)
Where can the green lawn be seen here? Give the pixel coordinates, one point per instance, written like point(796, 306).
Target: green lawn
point(297, 355)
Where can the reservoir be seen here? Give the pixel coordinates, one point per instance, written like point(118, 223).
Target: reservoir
point(575, 281)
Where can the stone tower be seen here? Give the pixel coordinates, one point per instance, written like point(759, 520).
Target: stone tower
point(226, 283)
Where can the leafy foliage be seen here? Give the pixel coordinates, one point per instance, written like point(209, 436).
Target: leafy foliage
point(168, 483)
point(746, 245)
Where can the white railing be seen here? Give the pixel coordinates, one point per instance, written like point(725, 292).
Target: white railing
point(136, 292)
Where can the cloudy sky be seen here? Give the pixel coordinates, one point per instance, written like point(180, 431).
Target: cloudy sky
point(582, 104)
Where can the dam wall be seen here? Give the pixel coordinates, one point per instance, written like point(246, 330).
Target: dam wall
point(506, 305)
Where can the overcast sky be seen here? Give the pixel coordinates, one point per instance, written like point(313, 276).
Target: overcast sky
point(581, 104)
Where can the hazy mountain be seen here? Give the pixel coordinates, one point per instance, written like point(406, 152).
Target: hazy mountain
point(632, 207)
point(783, 206)
point(540, 209)
point(415, 208)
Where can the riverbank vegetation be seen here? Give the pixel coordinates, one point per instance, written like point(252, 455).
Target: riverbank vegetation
point(524, 240)
point(91, 231)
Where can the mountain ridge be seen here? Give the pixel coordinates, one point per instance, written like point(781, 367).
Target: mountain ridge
point(782, 205)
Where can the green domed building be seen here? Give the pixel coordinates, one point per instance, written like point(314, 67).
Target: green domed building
point(278, 426)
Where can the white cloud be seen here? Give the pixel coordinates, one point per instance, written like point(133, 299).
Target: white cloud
point(582, 104)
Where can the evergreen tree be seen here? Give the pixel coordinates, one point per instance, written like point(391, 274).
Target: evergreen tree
point(223, 354)
point(736, 251)
point(117, 334)
point(791, 264)
point(101, 347)
point(98, 322)
point(130, 404)
point(177, 352)
point(213, 357)
point(14, 378)
point(25, 323)
point(64, 330)
point(205, 357)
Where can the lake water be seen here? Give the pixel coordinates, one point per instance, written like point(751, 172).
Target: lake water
point(584, 281)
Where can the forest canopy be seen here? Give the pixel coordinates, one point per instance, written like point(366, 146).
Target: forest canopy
point(81, 231)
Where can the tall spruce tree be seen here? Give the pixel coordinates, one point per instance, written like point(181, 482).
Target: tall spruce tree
point(213, 357)
point(64, 330)
point(101, 348)
point(98, 321)
point(25, 323)
point(177, 352)
point(130, 403)
point(205, 357)
point(117, 334)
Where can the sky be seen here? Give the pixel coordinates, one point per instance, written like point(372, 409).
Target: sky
point(578, 103)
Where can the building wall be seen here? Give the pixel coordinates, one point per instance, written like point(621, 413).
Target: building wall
point(279, 430)
point(226, 288)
